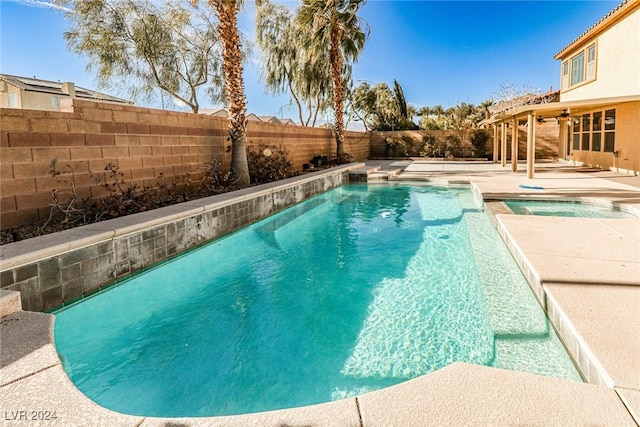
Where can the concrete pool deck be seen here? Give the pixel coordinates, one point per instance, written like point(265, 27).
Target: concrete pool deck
point(585, 272)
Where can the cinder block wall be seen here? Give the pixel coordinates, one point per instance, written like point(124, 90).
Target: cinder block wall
point(546, 140)
point(41, 149)
point(304, 143)
point(379, 146)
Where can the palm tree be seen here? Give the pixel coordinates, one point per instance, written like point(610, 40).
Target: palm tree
point(227, 14)
point(335, 26)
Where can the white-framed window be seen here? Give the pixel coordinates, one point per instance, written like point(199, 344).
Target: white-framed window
point(55, 101)
point(577, 69)
point(595, 131)
point(565, 74)
point(580, 68)
point(12, 100)
point(591, 62)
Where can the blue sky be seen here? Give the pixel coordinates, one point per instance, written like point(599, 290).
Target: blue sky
point(441, 52)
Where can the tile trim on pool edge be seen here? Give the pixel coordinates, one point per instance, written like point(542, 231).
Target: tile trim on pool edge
point(590, 367)
point(51, 270)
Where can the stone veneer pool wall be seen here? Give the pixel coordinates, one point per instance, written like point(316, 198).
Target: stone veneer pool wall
point(59, 268)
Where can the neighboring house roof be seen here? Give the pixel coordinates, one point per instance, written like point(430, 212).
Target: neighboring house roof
point(270, 119)
point(618, 12)
point(287, 121)
point(55, 88)
point(221, 112)
point(249, 116)
point(214, 112)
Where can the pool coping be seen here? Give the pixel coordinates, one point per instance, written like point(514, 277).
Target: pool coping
point(43, 382)
point(617, 268)
point(597, 201)
point(36, 385)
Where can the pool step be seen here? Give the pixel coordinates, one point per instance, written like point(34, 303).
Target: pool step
point(9, 302)
point(372, 174)
point(430, 177)
point(411, 176)
point(526, 352)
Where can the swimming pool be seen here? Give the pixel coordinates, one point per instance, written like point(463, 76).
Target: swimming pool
point(357, 289)
point(565, 208)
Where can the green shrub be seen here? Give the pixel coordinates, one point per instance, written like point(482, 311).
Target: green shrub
point(344, 159)
point(429, 146)
point(454, 146)
point(403, 146)
point(268, 163)
point(216, 179)
point(479, 138)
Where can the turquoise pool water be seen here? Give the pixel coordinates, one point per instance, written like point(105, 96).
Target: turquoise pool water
point(565, 209)
point(354, 290)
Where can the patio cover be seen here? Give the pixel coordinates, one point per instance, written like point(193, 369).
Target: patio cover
point(559, 110)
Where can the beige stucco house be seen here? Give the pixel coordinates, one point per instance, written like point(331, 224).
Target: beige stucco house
point(599, 107)
point(602, 67)
point(36, 94)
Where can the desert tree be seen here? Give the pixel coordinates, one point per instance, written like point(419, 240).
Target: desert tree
point(381, 108)
point(287, 67)
point(361, 102)
point(139, 46)
point(462, 119)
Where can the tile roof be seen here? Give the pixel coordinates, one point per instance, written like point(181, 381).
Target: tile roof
point(269, 119)
point(47, 86)
point(213, 112)
point(594, 26)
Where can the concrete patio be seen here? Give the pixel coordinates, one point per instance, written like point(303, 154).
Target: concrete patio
point(585, 273)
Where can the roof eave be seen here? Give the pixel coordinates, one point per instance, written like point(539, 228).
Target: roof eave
point(553, 108)
point(605, 22)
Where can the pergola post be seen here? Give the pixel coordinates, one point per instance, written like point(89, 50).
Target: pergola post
point(495, 143)
point(531, 144)
point(503, 145)
point(514, 145)
point(562, 149)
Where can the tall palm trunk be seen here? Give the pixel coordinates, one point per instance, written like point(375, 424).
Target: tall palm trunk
point(338, 96)
point(334, 23)
point(227, 12)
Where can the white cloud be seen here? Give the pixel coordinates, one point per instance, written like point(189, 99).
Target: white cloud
point(38, 3)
